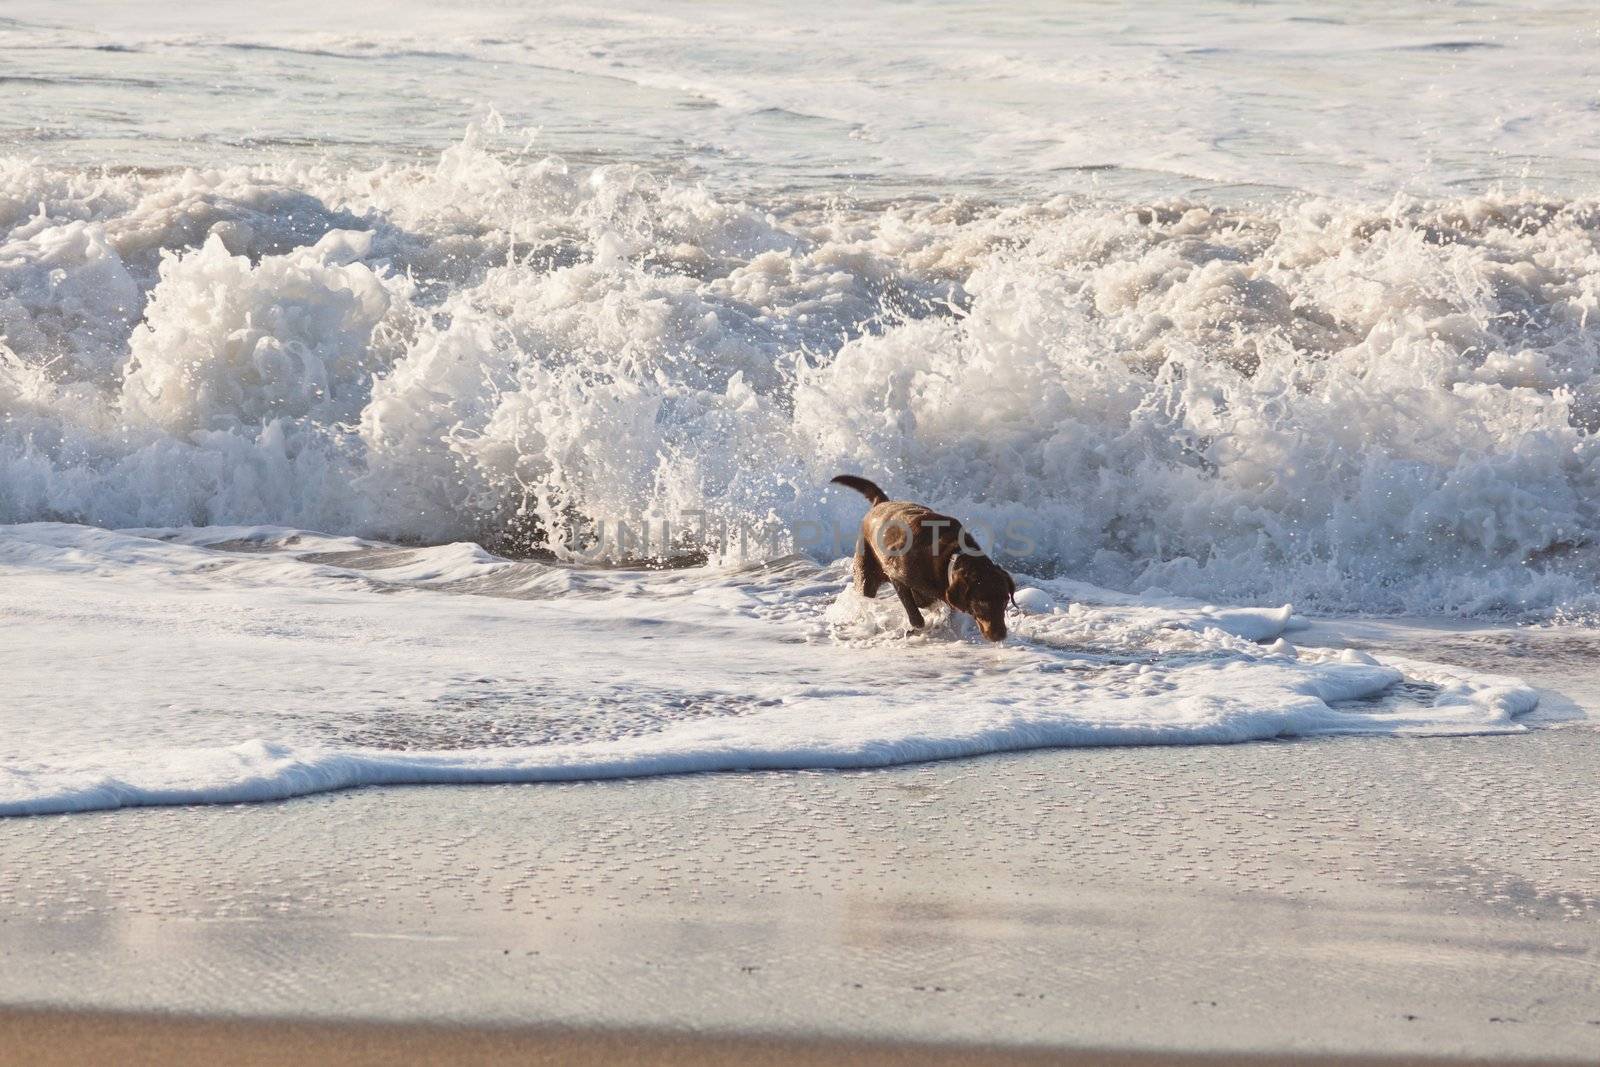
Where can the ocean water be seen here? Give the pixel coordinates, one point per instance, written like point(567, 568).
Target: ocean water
point(1238, 303)
point(246, 664)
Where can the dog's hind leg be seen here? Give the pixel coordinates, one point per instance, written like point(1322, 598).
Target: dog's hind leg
point(909, 602)
point(869, 572)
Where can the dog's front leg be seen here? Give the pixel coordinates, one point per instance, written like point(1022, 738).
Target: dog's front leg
point(913, 612)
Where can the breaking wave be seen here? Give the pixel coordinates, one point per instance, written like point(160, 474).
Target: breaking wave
point(1376, 407)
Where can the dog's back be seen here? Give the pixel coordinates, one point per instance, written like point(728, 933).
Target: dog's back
point(913, 545)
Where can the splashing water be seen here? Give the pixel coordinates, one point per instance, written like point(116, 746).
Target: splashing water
point(1374, 407)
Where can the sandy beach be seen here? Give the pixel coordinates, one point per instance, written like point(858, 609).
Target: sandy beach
point(1346, 896)
point(53, 1038)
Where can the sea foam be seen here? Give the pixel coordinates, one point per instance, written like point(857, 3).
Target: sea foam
point(1371, 406)
point(243, 664)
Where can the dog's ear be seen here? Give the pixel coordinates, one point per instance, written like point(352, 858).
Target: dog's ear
point(1011, 587)
point(957, 583)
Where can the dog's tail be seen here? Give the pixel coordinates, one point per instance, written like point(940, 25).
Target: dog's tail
point(867, 489)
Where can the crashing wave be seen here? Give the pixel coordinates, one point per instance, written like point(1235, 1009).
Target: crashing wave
point(1359, 406)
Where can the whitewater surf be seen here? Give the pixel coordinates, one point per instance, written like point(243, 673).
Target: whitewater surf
point(225, 665)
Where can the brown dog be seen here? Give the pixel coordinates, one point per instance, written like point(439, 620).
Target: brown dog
point(927, 557)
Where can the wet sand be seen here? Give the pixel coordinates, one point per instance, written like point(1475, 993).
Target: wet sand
point(1343, 897)
point(1347, 896)
point(66, 1039)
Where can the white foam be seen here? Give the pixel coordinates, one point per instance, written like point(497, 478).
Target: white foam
point(1370, 406)
point(225, 343)
point(146, 668)
point(1034, 601)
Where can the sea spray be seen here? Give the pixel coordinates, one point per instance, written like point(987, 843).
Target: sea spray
point(1373, 406)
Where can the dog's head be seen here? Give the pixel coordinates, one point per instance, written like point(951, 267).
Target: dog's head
point(981, 587)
